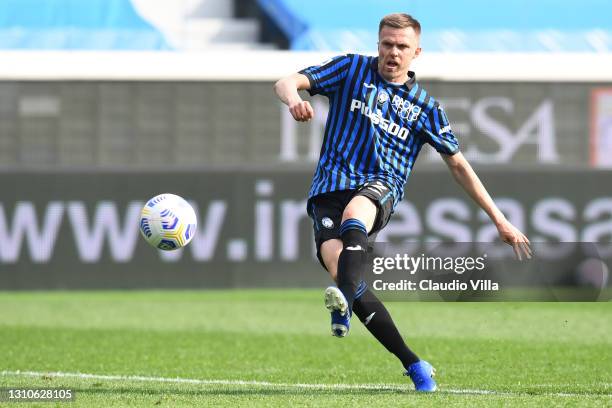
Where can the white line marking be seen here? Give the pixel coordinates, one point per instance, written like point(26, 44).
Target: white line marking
point(178, 380)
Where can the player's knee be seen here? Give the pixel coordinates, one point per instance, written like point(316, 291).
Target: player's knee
point(350, 212)
point(360, 208)
point(354, 235)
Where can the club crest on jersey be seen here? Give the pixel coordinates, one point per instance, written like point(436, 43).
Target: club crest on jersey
point(327, 222)
point(405, 109)
point(382, 97)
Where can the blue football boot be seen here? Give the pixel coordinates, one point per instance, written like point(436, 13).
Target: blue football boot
point(421, 373)
point(336, 303)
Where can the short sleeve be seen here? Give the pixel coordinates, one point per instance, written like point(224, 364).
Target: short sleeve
point(438, 133)
point(328, 77)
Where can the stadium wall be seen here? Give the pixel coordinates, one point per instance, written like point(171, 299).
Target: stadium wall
point(87, 137)
point(142, 124)
point(66, 230)
point(272, 65)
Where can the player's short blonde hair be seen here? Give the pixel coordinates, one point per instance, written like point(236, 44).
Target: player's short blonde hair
point(400, 20)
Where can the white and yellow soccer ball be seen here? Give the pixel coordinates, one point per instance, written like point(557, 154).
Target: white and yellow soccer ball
point(168, 222)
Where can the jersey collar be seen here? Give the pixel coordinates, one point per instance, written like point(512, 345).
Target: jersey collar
point(408, 84)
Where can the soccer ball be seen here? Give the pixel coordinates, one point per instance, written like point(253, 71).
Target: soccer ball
point(168, 222)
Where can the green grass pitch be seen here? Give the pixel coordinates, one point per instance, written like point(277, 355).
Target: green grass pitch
point(273, 348)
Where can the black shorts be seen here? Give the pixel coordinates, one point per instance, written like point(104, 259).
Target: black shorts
point(326, 211)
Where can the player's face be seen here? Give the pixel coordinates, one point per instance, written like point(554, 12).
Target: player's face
point(397, 47)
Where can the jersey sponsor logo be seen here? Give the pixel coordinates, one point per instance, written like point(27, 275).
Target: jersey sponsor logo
point(405, 109)
point(377, 119)
point(445, 129)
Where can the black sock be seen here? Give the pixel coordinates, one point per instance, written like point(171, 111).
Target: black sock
point(353, 258)
point(374, 315)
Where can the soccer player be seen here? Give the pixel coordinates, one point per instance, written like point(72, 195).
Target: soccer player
point(379, 118)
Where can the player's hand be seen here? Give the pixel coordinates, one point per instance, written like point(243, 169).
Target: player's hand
point(515, 238)
point(301, 111)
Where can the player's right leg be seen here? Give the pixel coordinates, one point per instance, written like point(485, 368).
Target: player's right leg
point(331, 233)
point(344, 252)
point(335, 301)
point(357, 221)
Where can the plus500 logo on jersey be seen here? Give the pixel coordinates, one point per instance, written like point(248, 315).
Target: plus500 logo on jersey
point(377, 120)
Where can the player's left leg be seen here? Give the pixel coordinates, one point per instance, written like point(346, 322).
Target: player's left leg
point(376, 318)
point(373, 313)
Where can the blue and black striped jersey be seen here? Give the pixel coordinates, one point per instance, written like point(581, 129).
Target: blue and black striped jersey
point(375, 129)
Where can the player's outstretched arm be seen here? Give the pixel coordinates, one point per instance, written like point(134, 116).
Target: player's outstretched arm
point(287, 91)
point(464, 174)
